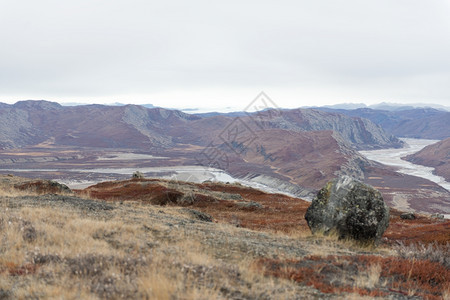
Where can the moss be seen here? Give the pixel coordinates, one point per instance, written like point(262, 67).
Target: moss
point(324, 194)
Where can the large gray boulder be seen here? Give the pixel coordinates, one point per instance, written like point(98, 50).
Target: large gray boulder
point(349, 208)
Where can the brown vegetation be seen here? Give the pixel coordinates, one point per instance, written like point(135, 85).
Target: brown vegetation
point(380, 275)
point(276, 213)
point(423, 229)
point(154, 239)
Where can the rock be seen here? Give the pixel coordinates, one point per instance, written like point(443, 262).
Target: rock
point(250, 205)
point(29, 234)
point(137, 175)
point(201, 216)
point(408, 216)
point(5, 294)
point(350, 208)
point(437, 216)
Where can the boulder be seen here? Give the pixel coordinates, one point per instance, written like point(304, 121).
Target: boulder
point(408, 216)
point(349, 208)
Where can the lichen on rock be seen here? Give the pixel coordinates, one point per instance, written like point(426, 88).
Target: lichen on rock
point(350, 208)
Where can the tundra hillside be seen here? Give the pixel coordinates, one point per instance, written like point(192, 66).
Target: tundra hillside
point(157, 239)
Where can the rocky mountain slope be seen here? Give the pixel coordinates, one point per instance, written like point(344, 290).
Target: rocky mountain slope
point(425, 123)
point(436, 155)
point(360, 132)
point(32, 122)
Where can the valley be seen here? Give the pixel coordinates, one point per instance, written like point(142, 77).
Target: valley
point(293, 151)
point(165, 205)
point(396, 158)
point(241, 150)
point(80, 168)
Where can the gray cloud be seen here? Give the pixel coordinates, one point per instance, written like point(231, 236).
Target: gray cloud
point(355, 50)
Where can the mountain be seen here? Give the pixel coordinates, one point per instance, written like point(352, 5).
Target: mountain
point(360, 132)
point(425, 123)
point(132, 126)
point(384, 106)
point(32, 122)
point(346, 106)
point(397, 106)
point(436, 155)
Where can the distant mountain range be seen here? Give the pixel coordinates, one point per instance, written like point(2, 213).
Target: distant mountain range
point(425, 123)
point(385, 106)
point(31, 122)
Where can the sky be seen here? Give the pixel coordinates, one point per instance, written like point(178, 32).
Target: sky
point(222, 54)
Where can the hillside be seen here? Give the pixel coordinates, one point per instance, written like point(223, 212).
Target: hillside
point(172, 240)
point(436, 155)
point(32, 122)
point(423, 123)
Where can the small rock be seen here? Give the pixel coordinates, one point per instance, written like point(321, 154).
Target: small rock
point(201, 216)
point(408, 216)
point(29, 234)
point(250, 204)
point(4, 294)
point(137, 175)
point(437, 216)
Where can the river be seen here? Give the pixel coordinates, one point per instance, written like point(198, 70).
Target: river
point(393, 157)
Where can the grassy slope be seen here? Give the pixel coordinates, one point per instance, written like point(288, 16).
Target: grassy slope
point(66, 246)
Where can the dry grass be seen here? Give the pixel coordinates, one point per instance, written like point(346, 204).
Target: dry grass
point(370, 278)
point(7, 190)
point(66, 254)
point(138, 250)
point(435, 252)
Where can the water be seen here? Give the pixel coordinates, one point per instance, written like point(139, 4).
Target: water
point(196, 174)
point(393, 157)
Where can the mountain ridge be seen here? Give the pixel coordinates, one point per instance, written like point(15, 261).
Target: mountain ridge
point(156, 126)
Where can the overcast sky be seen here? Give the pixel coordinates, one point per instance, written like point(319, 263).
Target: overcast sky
point(223, 53)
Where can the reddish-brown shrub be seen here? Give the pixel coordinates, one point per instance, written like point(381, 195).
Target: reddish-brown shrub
point(328, 274)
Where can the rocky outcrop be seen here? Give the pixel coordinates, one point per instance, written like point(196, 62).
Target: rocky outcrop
point(422, 123)
point(42, 186)
point(38, 186)
point(16, 130)
point(350, 208)
point(359, 132)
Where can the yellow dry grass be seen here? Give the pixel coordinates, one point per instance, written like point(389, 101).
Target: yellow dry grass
point(169, 270)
